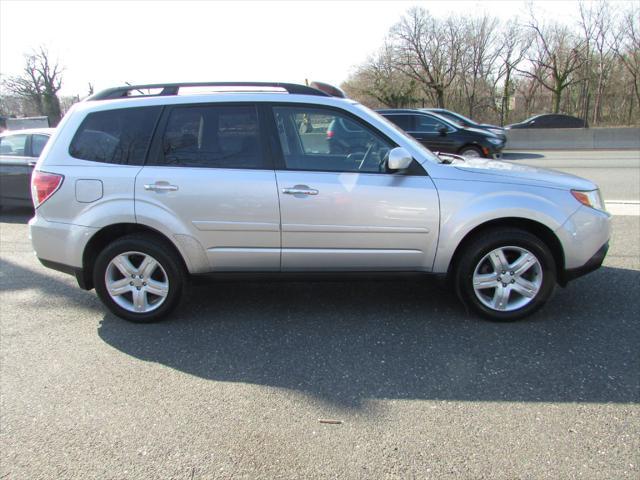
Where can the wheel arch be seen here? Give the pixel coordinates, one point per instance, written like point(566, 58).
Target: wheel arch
point(538, 229)
point(108, 234)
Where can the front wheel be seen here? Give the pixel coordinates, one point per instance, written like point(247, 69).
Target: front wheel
point(138, 278)
point(505, 274)
point(470, 152)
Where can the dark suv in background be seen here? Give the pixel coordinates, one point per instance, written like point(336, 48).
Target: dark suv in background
point(439, 134)
point(460, 119)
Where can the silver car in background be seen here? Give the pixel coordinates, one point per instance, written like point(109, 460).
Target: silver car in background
point(142, 186)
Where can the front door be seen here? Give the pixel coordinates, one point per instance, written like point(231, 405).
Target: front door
point(434, 134)
point(209, 175)
point(345, 212)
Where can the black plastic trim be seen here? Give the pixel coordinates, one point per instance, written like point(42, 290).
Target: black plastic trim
point(592, 264)
point(83, 282)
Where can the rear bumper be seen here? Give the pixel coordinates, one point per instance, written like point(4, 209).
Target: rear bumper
point(81, 277)
point(592, 264)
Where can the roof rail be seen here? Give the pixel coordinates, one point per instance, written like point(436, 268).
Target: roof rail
point(173, 88)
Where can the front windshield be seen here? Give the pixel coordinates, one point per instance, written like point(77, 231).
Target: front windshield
point(428, 153)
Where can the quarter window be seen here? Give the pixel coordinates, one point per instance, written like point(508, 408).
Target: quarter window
point(213, 137)
point(322, 139)
point(115, 136)
point(13, 145)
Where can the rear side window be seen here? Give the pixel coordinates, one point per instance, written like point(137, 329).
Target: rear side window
point(212, 136)
point(115, 136)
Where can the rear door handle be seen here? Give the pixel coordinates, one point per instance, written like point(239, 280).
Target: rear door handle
point(161, 187)
point(300, 190)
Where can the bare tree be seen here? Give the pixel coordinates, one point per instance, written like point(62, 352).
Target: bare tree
point(39, 83)
point(428, 51)
point(379, 79)
point(598, 32)
point(556, 55)
point(627, 46)
point(515, 44)
point(478, 57)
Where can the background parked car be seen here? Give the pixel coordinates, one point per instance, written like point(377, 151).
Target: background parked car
point(550, 120)
point(19, 151)
point(440, 134)
point(466, 121)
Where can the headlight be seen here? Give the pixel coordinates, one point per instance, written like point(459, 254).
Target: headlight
point(495, 141)
point(590, 198)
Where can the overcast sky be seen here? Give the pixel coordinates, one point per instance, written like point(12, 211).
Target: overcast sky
point(108, 43)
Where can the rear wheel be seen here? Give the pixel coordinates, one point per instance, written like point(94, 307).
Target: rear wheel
point(505, 274)
point(139, 278)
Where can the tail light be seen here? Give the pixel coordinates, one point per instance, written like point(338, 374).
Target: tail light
point(43, 185)
point(329, 134)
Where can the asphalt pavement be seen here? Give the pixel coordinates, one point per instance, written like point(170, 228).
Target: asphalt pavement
point(235, 384)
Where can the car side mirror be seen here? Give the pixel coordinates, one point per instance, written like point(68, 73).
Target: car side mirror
point(443, 130)
point(399, 159)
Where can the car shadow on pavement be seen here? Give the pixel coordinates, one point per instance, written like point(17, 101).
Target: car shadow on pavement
point(16, 215)
point(346, 343)
point(520, 155)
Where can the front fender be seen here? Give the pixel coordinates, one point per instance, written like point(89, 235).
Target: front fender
point(466, 205)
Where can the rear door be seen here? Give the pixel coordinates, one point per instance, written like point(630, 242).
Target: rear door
point(210, 177)
point(345, 212)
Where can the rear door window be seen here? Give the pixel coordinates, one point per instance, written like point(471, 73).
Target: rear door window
point(119, 136)
point(212, 136)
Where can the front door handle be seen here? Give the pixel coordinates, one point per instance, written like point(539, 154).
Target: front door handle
point(300, 190)
point(161, 187)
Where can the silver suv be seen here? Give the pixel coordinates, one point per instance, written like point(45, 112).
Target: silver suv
point(141, 187)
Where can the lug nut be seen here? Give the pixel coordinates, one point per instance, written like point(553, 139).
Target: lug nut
point(504, 284)
point(144, 284)
point(131, 283)
point(133, 276)
point(513, 281)
point(137, 288)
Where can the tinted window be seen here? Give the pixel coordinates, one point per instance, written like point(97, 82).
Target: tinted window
point(334, 142)
point(37, 144)
point(427, 124)
point(115, 136)
point(13, 145)
point(214, 137)
point(405, 122)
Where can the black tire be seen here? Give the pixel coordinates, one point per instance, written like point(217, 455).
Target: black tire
point(163, 254)
point(488, 241)
point(470, 148)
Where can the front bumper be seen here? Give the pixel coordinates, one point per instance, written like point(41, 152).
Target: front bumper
point(585, 241)
point(592, 264)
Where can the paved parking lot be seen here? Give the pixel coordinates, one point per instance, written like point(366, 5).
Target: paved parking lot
point(234, 385)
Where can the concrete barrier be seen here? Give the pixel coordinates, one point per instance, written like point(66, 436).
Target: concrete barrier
point(573, 138)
